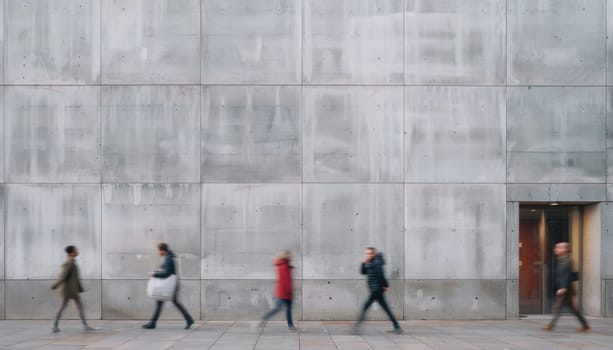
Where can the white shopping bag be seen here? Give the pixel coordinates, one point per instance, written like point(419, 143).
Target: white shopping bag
point(162, 288)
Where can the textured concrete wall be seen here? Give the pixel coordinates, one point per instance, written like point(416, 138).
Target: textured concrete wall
point(235, 128)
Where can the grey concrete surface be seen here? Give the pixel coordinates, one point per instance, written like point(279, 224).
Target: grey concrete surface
point(234, 129)
point(139, 216)
point(253, 297)
point(539, 37)
point(64, 147)
point(546, 134)
point(356, 42)
point(251, 134)
point(41, 219)
point(52, 43)
point(314, 335)
point(126, 299)
point(257, 41)
point(335, 300)
point(341, 220)
point(452, 229)
point(455, 42)
point(151, 42)
point(448, 128)
point(166, 120)
point(34, 299)
point(452, 299)
point(246, 226)
point(353, 134)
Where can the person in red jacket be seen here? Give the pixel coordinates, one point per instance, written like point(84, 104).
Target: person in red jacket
point(283, 291)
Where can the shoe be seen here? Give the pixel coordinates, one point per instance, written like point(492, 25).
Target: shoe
point(55, 329)
point(89, 328)
point(583, 329)
point(149, 325)
point(190, 322)
point(548, 328)
point(355, 330)
point(397, 330)
point(293, 328)
point(261, 324)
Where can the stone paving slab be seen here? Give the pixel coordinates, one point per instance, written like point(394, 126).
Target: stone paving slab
point(313, 335)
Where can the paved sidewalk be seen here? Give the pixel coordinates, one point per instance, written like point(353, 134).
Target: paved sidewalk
point(419, 335)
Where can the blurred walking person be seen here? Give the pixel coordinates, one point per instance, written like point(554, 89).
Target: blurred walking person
point(69, 284)
point(284, 292)
point(167, 269)
point(562, 285)
point(372, 267)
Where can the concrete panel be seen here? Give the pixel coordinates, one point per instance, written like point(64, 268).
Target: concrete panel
point(2, 234)
point(512, 304)
point(251, 134)
point(127, 300)
point(341, 300)
point(556, 192)
point(41, 220)
point(609, 137)
point(545, 47)
point(256, 41)
point(353, 42)
point(606, 250)
point(609, 36)
point(451, 230)
point(353, 134)
point(151, 42)
point(455, 42)
point(36, 300)
point(455, 299)
point(454, 133)
point(341, 220)
point(167, 122)
point(556, 134)
point(245, 226)
point(244, 300)
point(54, 42)
point(2, 300)
point(136, 217)
point(53, 134)
point(608, 298)
point(512, 247)
point(2, 41)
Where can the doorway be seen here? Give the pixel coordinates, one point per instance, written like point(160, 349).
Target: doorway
point(540, 228)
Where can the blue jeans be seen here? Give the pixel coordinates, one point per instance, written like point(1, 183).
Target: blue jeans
point(278, 307)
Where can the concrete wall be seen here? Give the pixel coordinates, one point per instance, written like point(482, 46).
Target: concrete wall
point(233, 129)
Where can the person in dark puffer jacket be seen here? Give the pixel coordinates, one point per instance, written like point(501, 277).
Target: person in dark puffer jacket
point(167, 269)
point(372, 267)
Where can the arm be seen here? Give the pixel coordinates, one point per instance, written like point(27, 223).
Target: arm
point(66, 270)
point(167, 269)
point(363, 269)
point(564, 277)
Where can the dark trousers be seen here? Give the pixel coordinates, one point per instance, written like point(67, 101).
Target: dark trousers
point(77, 301)
point(561, 301)
point(378, 297)
point(160, 303)
point(278, 306)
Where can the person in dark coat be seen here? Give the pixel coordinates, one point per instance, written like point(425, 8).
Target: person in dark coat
point(167, 269)
point(69, 285)
point(563, 279)
point(283, 292)
point(372, 267)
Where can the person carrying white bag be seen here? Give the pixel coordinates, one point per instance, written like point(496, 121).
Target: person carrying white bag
point(163, 286)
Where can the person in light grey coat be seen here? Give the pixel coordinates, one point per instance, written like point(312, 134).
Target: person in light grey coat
point(69, 284)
